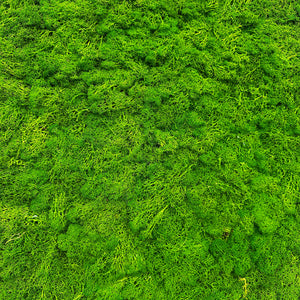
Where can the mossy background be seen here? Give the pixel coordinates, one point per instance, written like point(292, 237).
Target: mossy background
point(149, 149)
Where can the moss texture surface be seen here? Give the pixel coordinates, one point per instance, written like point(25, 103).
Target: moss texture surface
point(149, 149)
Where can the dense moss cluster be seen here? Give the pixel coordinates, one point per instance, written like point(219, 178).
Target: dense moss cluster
point(149, 149)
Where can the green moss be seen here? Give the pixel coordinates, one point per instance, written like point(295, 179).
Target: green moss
point(149, 149)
